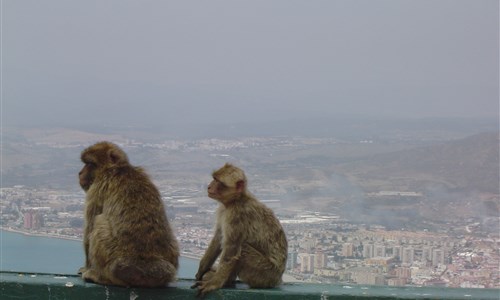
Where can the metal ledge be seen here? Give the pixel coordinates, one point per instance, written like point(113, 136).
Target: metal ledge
point(51, 286)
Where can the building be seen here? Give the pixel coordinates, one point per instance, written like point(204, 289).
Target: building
point(403, 273)
point(396, 281)
point(307, 263)
point(38, 221)
point(326, 272)
point(368, 278)
point(320, 260)
point(407, 255)
point(437, 257)
point(396, 251)
point(379, 251)
point(308, 244)
point(291, 262)
point(427, 254)
point(380, 261)
point(368, 250)
point(33, 220)
point(347, 250)
point(28, 220)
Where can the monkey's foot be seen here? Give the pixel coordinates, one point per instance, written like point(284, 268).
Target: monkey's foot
point(90, 276)
point(206, 287)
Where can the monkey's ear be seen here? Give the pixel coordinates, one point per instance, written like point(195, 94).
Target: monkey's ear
point(240, 185)
point(116, 157)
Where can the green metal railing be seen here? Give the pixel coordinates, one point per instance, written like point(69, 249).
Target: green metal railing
point(51, 286)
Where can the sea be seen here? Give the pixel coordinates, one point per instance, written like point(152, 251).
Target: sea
point(38, 254)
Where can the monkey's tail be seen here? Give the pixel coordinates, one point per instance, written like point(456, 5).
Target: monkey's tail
point(145, 273)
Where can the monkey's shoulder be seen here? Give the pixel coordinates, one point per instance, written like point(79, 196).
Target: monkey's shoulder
point(127, 172)
point(129, 180)
point(246, 213)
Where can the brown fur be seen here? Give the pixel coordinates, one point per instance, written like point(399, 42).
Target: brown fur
point(127, 239)
point(248, 237)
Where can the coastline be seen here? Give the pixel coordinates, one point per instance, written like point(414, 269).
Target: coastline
point(191, 255)
point(195, 258)
point(39, 234)
point(65, 237)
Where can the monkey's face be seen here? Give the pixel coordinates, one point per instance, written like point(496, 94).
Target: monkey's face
point(98, 157)
point(86, 175)
point(219, 191)
point(215, 188)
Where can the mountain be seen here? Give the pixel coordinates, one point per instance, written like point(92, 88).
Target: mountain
point(456, 180)
point(469, 164)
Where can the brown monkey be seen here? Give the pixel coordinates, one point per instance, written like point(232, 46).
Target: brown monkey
point(127, 239)
point(248, 236)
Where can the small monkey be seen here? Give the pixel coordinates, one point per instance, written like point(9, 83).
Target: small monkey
point(248, 237)
point(127, 238)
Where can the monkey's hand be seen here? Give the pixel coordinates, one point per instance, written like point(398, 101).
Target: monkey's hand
point(205, 287)
point(196, 284)
point(203, 276)
point(198, 278)
point(199, 275)
point(81, 270)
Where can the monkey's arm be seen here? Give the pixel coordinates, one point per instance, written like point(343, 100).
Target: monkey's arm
point(92, 210)
point(213, 251)
point(86, 249)
point(226, 271)
point(86, 233)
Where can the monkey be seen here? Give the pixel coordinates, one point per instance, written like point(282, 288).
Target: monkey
point(127, 239)
point(248, 237)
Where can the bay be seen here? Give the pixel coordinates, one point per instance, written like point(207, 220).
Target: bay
point(39, 254)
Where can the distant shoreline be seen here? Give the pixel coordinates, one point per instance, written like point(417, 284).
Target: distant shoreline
point(191, 256)
point(38, 234)
point(187, 255)
point(64, 237)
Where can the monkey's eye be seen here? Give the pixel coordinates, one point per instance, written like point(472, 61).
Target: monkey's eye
point(220, 184)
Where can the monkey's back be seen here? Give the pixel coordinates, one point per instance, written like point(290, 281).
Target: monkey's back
point(261, 229)
point(133, 207)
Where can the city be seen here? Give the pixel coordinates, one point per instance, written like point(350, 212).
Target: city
point(323, 247)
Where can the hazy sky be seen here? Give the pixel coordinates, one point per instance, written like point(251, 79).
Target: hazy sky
point(157, 62)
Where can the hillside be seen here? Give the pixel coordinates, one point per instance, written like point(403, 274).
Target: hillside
point(469, 164)
point(457, 179)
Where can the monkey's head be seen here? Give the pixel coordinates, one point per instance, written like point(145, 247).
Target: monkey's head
point(98, 158)
point(228, 184)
